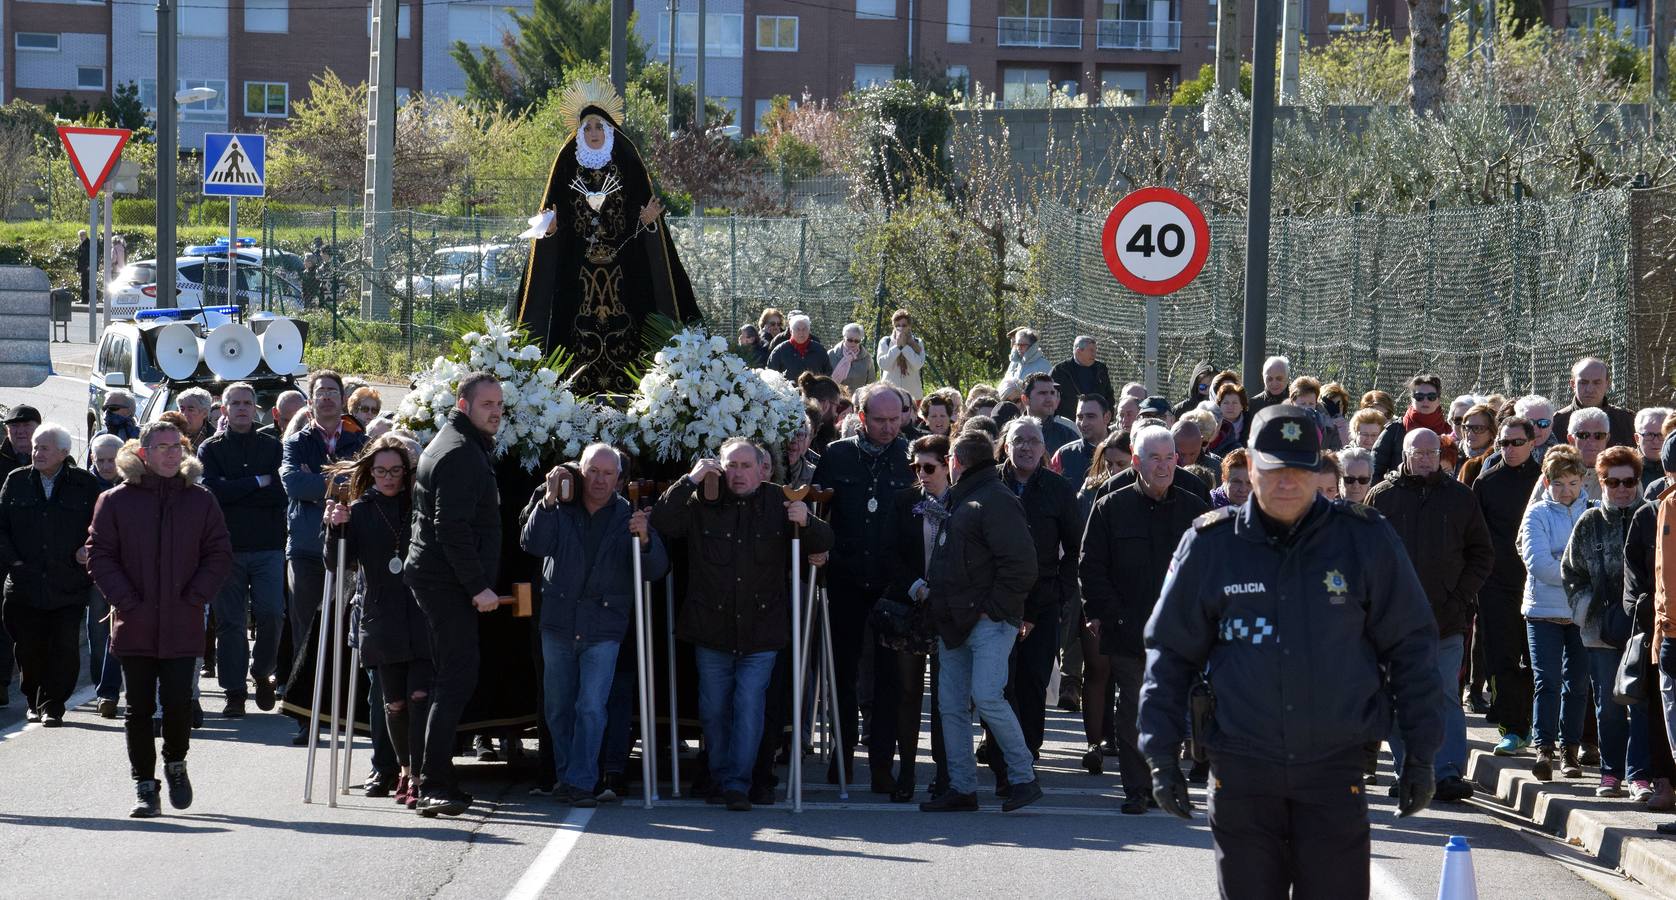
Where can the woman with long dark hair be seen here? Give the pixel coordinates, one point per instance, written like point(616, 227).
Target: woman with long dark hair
point(395, 638)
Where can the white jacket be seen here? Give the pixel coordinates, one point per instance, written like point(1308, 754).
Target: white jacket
point(1543, 535)
point(889, 357)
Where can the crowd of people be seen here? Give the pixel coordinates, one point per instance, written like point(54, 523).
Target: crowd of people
point(1015, 539)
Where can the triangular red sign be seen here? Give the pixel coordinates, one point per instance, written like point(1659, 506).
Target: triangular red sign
point(93, 150)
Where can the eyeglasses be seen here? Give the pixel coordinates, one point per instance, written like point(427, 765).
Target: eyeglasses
point(1026, 442)
point(1512, 442)
point(773, 323)
point(1457, 421)
point(327, 392)
point(1358, 479)
point(1645, 435)
point(928, 468)
point(1425, 396)
point(1423, 454)
point(1542, 423)
point(1592, 435)
point(1621, 482)
point(369, 410)
point(390, 472)
point(1477, 429)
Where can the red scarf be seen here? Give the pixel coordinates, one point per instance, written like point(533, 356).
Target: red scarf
point(802, 349)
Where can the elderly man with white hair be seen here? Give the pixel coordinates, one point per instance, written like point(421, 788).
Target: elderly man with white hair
point(579, 525)
point(1132, 533)
point(194, 404)
point(801, 352)
point(1649, 439)
point(45, 510)
point(1590, 431)
point(1277, 379)
point(852, 366)
point(1082, 375)
point(1591, 385)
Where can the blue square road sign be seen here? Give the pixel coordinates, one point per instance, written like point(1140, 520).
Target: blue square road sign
point(235, 165)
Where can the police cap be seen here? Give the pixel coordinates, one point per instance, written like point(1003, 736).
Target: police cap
point(1284, 436)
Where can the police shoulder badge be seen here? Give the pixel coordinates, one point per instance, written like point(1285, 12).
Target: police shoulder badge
point(1336, 585)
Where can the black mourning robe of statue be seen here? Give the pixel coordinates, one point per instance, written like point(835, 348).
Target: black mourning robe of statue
point(594, 281)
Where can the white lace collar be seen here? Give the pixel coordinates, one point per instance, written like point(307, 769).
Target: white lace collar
point(590, 158)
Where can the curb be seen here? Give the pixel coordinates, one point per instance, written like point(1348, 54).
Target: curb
point(1619, 833)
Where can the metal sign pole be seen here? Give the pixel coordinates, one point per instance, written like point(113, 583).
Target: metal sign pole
point(1152, 346)
point(106, 268)
point(92, 297)
point(232, 251)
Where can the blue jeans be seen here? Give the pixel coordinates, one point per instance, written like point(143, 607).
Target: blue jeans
point(577, 678)
point(1451, 757)
point(1557, 662)
point(975, 674)
point(255, 589)
point(98, 633)
point(732, 693)
point(1623, 729)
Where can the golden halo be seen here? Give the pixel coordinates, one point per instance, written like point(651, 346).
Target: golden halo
point(594, 92)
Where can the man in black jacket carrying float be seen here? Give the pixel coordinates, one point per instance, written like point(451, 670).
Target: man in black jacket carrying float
point(451, 565)
point(1293, 608)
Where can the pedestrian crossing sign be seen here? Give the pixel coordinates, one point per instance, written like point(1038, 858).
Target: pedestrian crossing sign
point(235, 165)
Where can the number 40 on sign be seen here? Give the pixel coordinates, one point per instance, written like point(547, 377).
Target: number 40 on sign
point(1155, 241)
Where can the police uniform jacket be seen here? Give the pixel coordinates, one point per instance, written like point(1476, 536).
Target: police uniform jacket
point(1447, 541)
point(1293, 632)
point(982, 563)
point(864, 487)
point(738, 565)
point(1125, 555)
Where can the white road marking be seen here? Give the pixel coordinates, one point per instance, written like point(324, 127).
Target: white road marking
point(552, 856)
point(1383, 884)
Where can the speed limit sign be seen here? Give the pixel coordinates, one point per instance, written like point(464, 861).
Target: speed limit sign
point(1155, 241)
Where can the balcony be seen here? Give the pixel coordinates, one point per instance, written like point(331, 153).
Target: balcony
point(1138, 34)
point(1022, 31)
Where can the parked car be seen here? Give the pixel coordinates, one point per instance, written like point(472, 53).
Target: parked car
point(469, 268)
point(202, 281)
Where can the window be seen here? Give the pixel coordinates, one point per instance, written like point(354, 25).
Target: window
point(776, 33)
point(272, 16)
point(1120, 88)
point(200, 18)
point(960, 79)
point(1580, 16)
point(90, 78)
point(268, 99)
point(1347, 15)
point(203, 111)
point(1025, 87)
point(724, 35)
point(867, 76)
point(27, 40)
point(477, 26)
point(875, 9)
point(404, 21)
point(960, 22)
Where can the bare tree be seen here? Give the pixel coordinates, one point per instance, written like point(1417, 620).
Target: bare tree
point(1428, 59)
point(17, 163)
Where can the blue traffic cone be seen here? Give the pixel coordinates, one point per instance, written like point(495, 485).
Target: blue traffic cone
point(1458, 882)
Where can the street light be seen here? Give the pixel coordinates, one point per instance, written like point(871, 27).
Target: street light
point(196, 95)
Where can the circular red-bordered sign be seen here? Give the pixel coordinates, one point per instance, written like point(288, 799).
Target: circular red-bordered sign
point(1155, 241)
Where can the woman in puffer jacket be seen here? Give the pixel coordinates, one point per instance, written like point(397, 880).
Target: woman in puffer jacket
point(1558, 663)
point(1593, 571)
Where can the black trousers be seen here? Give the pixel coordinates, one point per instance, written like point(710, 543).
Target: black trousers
point(1290, 831)
point(850, 605)
point(48, 647)
point(1506, 660)
point(407, 697)
point(308, 581)
point(1127, 673)
point(1027, 682)
point(148, 678)
point(454, 654)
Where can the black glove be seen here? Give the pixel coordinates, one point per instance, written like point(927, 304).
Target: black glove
point(1169, 788)
point(1415, 788)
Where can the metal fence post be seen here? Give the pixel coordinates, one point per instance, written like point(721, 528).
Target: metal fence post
point(1355, 284)
point(732, 265)
point(407, 302)
point(336, 263)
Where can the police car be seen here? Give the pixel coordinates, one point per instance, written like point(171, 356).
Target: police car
point(196, 353)
point(473, 267)
point(202, 281)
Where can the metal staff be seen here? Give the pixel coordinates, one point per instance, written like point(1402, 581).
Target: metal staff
point(349, 721)
point(796, 494)
point(337, 668)
point(651, 681)
point(326, 605)
point(674, 720)
point(832, 697)
point(646, 742)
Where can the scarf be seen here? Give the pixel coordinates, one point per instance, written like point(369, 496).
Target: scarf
point(932, 510)
point(1437, 422)
point(802, 349)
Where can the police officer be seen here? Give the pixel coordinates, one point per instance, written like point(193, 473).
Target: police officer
point(1290, 606)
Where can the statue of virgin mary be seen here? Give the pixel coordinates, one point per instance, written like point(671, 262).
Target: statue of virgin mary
point(606, 263)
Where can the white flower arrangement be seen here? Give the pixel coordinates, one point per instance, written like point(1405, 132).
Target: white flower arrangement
point(698, 394)
point(544, 420)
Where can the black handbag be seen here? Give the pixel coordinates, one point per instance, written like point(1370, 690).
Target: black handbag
point(1632, 684)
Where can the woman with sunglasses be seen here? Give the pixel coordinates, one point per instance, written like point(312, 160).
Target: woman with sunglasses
point(1478, 428)
point(919, 514)
point(364, 405)
point(395, 637)
point(1593, 572)
point(1424, 411)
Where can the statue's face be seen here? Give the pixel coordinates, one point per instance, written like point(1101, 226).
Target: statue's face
point(593, 133)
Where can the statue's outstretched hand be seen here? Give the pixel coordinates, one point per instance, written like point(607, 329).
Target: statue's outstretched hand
point(552, 226)
point(650, 212)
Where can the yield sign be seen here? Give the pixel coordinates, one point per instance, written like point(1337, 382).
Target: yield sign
point(93, 152)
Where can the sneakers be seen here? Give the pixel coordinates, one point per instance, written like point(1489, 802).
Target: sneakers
point(404, 789)
point(1640, 790)
point(1543, 768)
point(1093, 760)
point(1023, 795)
point(1511, 744)
point(180, 786)
point(737, 801)
point(265, 698)
point(147, 806)
point(1569, 766)
point(1612, 786)
point(570, 795)
point(951, 801)
point(234, 708)
point(1453, 789)
point(107, 708)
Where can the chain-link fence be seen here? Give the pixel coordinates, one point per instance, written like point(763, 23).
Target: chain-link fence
point(1497, 298)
